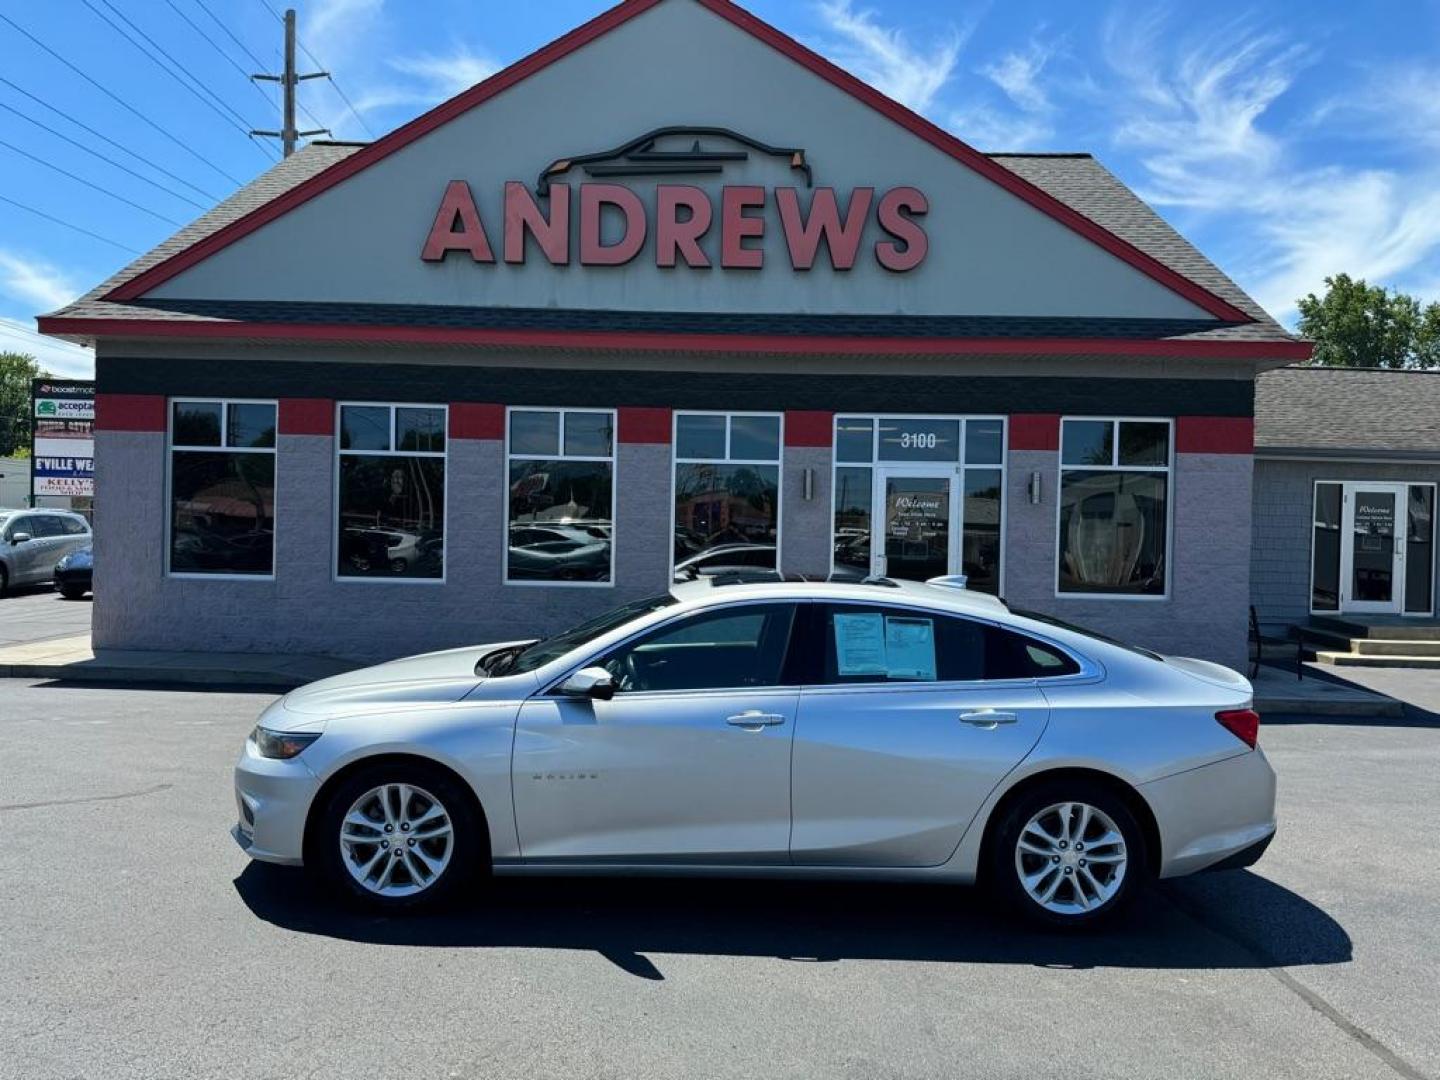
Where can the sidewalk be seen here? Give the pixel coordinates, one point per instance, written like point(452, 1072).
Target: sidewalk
point(1277, 691)
point(72, 659)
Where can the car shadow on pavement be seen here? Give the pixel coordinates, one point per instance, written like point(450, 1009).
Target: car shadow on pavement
point(1231, 920)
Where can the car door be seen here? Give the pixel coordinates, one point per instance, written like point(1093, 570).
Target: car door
point(24, 556)
point(76, 534)
point(52, 545)
point(689, 762)
point(901, 735)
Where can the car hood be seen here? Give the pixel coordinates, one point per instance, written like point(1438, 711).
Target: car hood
point(1214, 674)
point(436, 678)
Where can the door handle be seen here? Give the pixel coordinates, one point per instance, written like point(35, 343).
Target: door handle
point(754, 719)
point(988, 718)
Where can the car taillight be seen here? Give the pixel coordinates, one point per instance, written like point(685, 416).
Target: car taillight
point(1244, 724)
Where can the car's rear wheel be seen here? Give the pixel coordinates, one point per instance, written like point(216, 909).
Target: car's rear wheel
point(1068, 853)
point(397, 835)
point(72, 592)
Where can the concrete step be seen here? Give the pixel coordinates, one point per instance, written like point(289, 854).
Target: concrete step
point(1388, 628)
point(1352, 659)
point(1394, 647)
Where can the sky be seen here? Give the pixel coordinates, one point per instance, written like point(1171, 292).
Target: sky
point(1288, 140)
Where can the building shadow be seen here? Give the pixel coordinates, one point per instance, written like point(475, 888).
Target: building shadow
point(635, 922)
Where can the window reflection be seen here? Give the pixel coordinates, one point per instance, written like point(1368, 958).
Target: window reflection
point(980, 547)
point(560, 520)
point(392, 516)
point(852, 519)
point(720, 511)
point(1112, 532)
point(222, 513)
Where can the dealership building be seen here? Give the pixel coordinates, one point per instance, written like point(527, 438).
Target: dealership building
point(673, 292)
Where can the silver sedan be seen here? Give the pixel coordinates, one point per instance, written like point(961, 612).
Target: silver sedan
point(879, 729)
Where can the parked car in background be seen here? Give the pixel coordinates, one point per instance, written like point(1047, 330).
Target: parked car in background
point(32, 541)
point(725, 558)
point(884, 729)
point(73, 574)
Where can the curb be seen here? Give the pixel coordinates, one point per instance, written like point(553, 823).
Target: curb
point(102, 673)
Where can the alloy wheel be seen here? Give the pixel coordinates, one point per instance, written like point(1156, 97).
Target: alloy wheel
point(396, 840)
point(1071, 858)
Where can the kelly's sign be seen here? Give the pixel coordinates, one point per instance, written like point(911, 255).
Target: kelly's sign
point(687, 228)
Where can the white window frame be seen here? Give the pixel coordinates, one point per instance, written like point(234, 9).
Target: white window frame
point(779, 462)
point(362, 579)
point(1347, 488)
point(1168, 469)
point(961, 466)
point(171, 447)
point(612, 459)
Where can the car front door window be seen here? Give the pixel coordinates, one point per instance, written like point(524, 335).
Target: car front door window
point(739, 649)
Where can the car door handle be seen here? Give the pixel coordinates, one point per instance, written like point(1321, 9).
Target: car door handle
point(755, 719)
point(988, 718)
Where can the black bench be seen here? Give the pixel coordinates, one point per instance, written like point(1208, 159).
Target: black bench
point(1259, 640)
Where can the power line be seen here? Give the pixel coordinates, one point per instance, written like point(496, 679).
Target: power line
point(216, 46)
point(239, 124)
point(11, 324)
point(119, 100)
point(230, 33)
point(69, 225)
point(88, 183)
point(334, 85)
point(108, 160)
point(106, 138)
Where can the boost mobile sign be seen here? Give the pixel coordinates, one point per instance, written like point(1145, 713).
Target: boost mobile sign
point(62, 438)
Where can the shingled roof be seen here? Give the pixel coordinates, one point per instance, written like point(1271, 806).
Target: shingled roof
point(1077, 180)
point(1348, 412)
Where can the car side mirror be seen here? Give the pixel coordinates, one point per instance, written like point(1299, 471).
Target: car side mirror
point(590, 682)
point(20, 538)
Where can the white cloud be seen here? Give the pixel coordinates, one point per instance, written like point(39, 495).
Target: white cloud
point(1018, 75)
point(34, 282)
point(450, 74)
point(885, 58)
point(1199, 114)
point(56, 357)
point(992, 130)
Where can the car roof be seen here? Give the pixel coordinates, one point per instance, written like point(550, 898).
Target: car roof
point(704, 591)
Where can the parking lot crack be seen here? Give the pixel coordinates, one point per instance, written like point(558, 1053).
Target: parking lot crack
point(154, 790)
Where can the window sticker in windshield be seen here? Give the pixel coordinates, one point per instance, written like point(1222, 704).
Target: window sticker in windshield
point(860, 644)
point(910, 649)
point(892, 646)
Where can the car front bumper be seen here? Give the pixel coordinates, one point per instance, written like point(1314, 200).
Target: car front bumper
point(1219, 813)
point(273, 801)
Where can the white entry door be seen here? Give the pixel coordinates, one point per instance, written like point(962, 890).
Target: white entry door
point(915, 510)
point(1372, 549)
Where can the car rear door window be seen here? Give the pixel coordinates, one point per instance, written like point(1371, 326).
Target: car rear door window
point(865, 643)
point(733, 648)
point(74, 526)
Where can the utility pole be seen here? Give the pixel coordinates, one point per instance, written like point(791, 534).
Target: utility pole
point(287, 135)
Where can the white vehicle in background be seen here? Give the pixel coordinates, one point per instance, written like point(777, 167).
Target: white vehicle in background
point(877, 729)
point(33, 541)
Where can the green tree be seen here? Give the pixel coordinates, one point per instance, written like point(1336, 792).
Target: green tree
point(16, 371)
point(1356, 324)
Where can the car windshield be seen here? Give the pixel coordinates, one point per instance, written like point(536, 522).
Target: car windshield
point(1050, 620)
point(552, 648)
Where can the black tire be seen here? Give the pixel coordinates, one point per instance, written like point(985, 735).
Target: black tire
point(4, 581)
point(72, 592)
point(469, 854)
point(1005, 862)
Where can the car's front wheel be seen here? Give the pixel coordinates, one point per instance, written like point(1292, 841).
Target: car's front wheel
point(1068, 853)
point(397, 835)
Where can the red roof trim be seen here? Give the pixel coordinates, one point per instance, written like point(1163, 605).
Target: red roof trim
point(342, 170)
point(679, 342)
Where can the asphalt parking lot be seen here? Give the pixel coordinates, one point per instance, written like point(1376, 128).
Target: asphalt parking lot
point(38, 613)
point(137, 941)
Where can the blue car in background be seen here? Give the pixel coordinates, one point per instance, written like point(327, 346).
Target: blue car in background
point(73, 574)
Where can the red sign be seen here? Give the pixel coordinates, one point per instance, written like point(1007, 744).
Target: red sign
point(684, 216)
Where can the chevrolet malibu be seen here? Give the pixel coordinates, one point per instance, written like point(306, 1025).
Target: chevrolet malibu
point(876, 729)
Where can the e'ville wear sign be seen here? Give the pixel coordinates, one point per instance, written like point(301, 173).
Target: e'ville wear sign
point(684, 216)
point(62, 438)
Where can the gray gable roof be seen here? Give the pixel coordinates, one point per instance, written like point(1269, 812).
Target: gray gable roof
point(1348, 412)
point(1075, 179)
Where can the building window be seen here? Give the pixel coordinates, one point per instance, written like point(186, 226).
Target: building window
point(925, 455)
point(1420, 550)
point(391, 493)
point(1325, 548)
point(727, 491)
point(1114, 507)
point(561, 472)
point(222, 488)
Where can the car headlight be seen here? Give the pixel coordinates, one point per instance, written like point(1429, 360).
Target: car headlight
point(281, 744)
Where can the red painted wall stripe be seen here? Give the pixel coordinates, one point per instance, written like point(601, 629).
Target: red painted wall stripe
point(1214, 435)
point(1035, 431)
point(641, 425)
point(471, 420)
point(809, 429)
point(307, 416)
point(778, 344)
point(129, 412)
